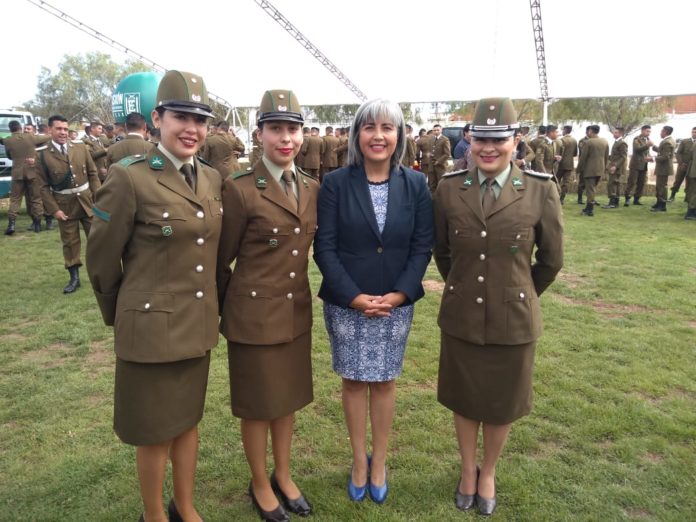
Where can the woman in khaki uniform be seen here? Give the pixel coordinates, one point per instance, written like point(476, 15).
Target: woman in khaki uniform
point(266, 304)
point(488, 222)
point(151, 259)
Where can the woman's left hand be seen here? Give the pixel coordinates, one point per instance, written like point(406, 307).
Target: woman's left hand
point(393, 299)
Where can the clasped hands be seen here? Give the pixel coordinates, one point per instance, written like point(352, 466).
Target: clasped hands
point(377, 305)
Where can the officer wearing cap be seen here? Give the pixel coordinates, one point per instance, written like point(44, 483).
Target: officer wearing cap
point(151, 260)
point(266, 304)
point(489, 221)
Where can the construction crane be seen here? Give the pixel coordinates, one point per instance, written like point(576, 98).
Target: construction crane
point(311, 48)
point(535, 7)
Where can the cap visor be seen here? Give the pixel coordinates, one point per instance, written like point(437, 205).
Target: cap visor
point(190, 109)
point(492, 133)
point(281, 116)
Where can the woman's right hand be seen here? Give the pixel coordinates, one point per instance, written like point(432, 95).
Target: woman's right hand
point(371, 306)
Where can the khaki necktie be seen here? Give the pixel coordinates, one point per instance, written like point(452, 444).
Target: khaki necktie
point(187, 171)
point(488, 197)
point(289, 187)
point(62, 150)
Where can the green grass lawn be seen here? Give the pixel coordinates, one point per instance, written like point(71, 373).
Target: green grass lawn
point(612, 435)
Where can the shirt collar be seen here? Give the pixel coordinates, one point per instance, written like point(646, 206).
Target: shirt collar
point(176, 161)
point(135, 134)
point(275, 170)
point(58, 145)
point(500, 179)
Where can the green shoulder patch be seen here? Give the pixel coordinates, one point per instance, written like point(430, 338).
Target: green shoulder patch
point(101, 214)
point(129, 160)
point(157, 163)
point(242, 173)
point(455, 173)
point(540, 175)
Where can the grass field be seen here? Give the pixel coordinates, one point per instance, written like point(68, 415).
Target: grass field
point(612, 435)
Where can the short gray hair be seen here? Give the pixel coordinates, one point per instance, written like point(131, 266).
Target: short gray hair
point(371, 111)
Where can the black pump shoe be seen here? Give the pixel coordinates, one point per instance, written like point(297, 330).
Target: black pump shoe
point(174, 515)
point(300, 506)
point(486, 506)
point(277, 515)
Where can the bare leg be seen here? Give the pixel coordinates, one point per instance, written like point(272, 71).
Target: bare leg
point(382, 403)
point(354, 395)
point(494, 438)
point(281, 440)
point(151, 462)
point(467, 437)
point(255, 441)
point(184, 455)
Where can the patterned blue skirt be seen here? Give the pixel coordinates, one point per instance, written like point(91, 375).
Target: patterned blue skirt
point(367, 349)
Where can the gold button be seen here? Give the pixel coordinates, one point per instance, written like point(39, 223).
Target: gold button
point(484, 233)
point(480, 279)
point(200, 241)
point(199, 268)
point(482, 257)
point(199, 295)
point(479, 300)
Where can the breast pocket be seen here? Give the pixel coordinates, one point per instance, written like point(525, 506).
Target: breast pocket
point(160, 214)
point(142, 326)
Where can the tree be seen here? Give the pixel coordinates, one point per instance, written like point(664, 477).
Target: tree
point(629, 112)
point(81, 87)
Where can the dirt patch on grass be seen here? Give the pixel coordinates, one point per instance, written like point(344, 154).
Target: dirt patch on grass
point(653, 458)
point(571, 279)
point(426, 386)
point(644, 397)
point(12, 337)
point(100, 357)
point(433, 286)
point(51, 356)
point(611, 310)
point(681, 394)
point(691, 324)
point(605, 444)
point(546, 449)
point(637, 513)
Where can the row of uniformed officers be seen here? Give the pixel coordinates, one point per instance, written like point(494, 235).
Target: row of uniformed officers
point(159, 255)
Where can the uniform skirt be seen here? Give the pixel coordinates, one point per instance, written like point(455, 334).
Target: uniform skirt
point(490, 383)
point(156, 402)
point(270, 381)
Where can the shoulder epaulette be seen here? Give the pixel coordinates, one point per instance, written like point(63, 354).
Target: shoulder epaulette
point(306, 174)
point(540, 175)
point(242, 173)
point(455, 173)
point(129, 160)
point(42, 147)
point(78, 142)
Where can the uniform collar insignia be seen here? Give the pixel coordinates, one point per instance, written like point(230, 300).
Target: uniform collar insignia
point(517, 182)
point(468, 181)
point(261, 182)
point(157, 163)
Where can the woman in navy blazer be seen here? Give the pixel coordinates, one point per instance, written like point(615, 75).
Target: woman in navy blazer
point(372, 246)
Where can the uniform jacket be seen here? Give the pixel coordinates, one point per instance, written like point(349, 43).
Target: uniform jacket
point(543, 156)
point(351, 253)
point(424, 151)
point(440, 151)
point(640, 153)
point(131, 145)
point(221, 151)
point(151, 256)
point(492, 282)
point(618, 156)
point(664, 161)
point(97, 149)
point(266, 299)
point(683, 153)
point(20, 147)
point(60, 172)
point(341, 150)
point(593, 157)
point(329, 158)
point(311, 151)
point(410, 153)
point(570, 152)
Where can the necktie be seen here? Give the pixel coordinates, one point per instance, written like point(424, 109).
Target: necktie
point(488, 197)
point(187, 171)
point(62, 150)
point(289, 188)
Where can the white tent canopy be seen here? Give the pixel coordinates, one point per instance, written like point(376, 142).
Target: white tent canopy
point(404, 50)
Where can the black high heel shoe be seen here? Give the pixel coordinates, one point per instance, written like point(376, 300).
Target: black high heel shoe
point(486, 506)
point(465, 502)
point(277, 515)
point(300, 506)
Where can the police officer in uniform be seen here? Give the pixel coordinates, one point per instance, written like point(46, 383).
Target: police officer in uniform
point(638, 166)
point(151, 260)
point(266, 304)
point(134, 143)
point(97, 145)
point(68, 181)
point(489, 221)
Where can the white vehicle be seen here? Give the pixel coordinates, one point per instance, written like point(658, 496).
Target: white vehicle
point(6, 116)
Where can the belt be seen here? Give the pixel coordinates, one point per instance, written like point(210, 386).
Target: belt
point(72, 190)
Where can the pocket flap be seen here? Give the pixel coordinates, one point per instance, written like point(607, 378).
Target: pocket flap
point(146, 302)
point(518, 293)
point(164, 212)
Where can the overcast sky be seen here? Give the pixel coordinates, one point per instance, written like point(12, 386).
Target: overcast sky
point(404, 50)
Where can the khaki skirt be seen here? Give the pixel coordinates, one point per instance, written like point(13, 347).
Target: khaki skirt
point(490, 383)
point(156, 402)
point(270, 381)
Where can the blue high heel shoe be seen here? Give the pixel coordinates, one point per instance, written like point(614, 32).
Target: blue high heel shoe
point(378, 494)
point(357, 493)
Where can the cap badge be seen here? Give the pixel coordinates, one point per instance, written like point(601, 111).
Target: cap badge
point(167, 231)
point(195, 97)
point(282, 108)
point(491, 121)
point(156, 163)
point(281, 96)
point(492, 107)
point(193, 80)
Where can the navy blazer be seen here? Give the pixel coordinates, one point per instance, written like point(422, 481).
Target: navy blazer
point(353, 256)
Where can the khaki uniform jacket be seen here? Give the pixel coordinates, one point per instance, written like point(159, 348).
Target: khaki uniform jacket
point(440, 151)
point(683, 153)
point(424, 151)
point(312, 151)
point(594, 156)
point(131, 145)
point(97, 149)
point(60, 172)
point(640, 153)
point(341, 150)
point(664, 161)
point(543, 156)
point(20, 147)
point(410, 154)
point(570, 152)
point(266, 299)
point(329, 158)
point(618, 157)
point(151, 256)
point(221, 151)
point(492, 283)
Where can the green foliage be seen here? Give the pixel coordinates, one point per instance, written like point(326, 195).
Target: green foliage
point(629, 112)
point(333, 114)
point(611, 436)
point(81, 87)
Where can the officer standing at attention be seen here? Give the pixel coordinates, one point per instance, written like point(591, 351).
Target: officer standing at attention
point(499, 245)
point(151, 259)
point(266, 304)
point(69, 181)
point(439, 155)
point(664, 167)
point(616, 168)
point(592, 164)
